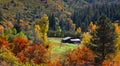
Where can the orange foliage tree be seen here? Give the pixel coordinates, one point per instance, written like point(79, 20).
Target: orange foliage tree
point(78, 30)
point(3, 42)
point(22, 57)
point(117, 30)
point(92, 27)
point(55, 63)
point(106, 63)
point(37, 54)
point(20, 44)
point(79, 57)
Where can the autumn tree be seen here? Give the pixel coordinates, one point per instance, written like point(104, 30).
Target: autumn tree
point(79, 57)
point(37, 29)
point(78, 30)
point(43, 24)
point(103, 39)
point(117, 28)
point(7, 56)
point(37, 53)
point(3, 42)
point(86, 37)
point(20, 44)
point(92, 27)
point(1, 29)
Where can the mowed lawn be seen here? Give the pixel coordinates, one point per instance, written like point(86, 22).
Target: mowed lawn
point(59, 50)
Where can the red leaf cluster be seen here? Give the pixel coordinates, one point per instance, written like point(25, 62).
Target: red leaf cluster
point(20, 44)
point(21, 56)
point(3, 42)
point(37, 54)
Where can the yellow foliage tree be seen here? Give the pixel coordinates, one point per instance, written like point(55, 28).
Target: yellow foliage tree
point(86, 38)
point(37, 31)
point(43, 25)
point(117, 30)
point(118, 44)
point(1, 29)
point(92, 27)
point(78, 30)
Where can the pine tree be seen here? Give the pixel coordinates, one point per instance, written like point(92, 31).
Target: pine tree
point(103, 39)
point(1, 15)
point(52, 22)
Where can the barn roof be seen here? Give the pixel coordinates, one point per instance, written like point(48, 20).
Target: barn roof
point(66, 38)
point(75, 39)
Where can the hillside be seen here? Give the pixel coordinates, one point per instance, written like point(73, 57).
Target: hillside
point(59, 32)
point(76, 13)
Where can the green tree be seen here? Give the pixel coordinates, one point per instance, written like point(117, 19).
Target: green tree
point(1, 15)
point(52, 22)
point(103, 41)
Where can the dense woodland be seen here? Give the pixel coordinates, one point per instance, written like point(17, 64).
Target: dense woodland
point(26, 25)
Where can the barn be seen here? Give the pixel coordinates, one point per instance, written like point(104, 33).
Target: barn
point(70, 40)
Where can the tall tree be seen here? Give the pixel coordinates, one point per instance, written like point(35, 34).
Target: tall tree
point(44, 25)
point(1, 15)
point(52, 22)
point(103, 41)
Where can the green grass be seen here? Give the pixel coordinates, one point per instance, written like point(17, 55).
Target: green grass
point(63, 48)
point(60, 50)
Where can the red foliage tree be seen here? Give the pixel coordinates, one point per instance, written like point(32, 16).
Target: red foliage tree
point(79, 57)
point(3, 42)
point(21, 56)
point(20, 44)
point(37, 54)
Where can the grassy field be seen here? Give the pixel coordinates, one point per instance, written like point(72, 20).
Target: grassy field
point(58, 50)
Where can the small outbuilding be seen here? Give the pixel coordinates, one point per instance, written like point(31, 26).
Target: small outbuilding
point(70, 40)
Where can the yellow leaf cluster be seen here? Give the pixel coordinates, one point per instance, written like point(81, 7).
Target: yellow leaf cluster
point(86, 38)
point(42, 26)
point(1, 28)
point(118, 44)
point(78, 30)
point(92, 27)
point(117, 28)
point(37, 27)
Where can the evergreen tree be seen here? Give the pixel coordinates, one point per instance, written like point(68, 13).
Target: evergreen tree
point(103, 41)
point(52, 22)
point(1, 15)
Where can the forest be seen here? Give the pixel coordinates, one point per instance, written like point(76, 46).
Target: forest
point(31, 32)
